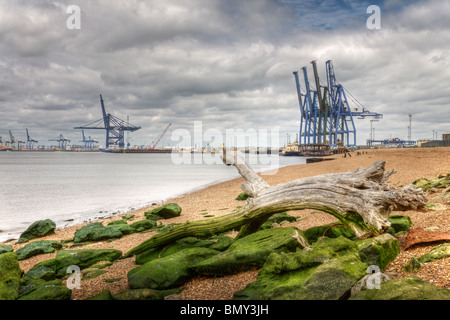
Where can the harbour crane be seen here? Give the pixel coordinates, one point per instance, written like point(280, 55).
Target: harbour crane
point(89, 142)
point(12, 139)
point(62, 142)
point(325, 113)
point(154, 144)
point(114, 127)
point(30, 142)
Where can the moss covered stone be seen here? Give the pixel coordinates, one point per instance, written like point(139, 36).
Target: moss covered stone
point(399, 224)
point(242, 196)
point(38, 247)
point(440, 252)
point(332, 230)
point(4, 248)
point(167, 211)
point(37, 229)
point(96, 232)
point(251, 251)
point(81, 258)
point(278, 218)
point(145, 294)
point(46, 290)
point(182, 244)
point(10, 275)
point(325, 271)
point(168, 272)
point(442, 181)
point(379, 251)
point(410, 288)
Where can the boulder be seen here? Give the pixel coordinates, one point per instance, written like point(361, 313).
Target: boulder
point(332, 230)
point(242, 196)
point(4, 248)
point(143, 225)
point(37, 247)
point(104, 295)
point(144, 294)
point(379, 251)
point(168, 272)
point(10, 275)
point(327, 270)
point(46, 290)
point(440, 252)
point(37, 229)
point(441, 181)
point(399, 224)
point(251, 251)
point(182, 244)
point(167, 211)
point(96, 232)
point(82, 258)
point(278, 218)
point(409, 288)
point(40, 272)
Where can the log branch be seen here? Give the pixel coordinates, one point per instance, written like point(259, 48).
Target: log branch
point(361, 199)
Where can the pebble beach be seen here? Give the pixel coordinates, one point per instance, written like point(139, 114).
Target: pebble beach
point(410, 164)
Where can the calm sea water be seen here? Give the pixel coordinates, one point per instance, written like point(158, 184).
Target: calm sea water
point(72, 187)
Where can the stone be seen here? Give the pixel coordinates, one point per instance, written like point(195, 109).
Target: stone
point(242, 196)
point(440, 252)
point(399, 223)
point(409, 288)
point(10, 275)
point(37, 229)
point(4, 248)
point(441, 181)
point(83, 258)
point(167, 211)
point(325, 271)
point(145, 294)
point(104, 295)
point(379, 251)
point(96, 232)
point(40, 272)
point(143, 225)
point(436, 206)
point(161, 252)
point(38, 247)
point(278, 218)
point(251, 251)
point(168, 272)
point(332, 230)
point(46, 290)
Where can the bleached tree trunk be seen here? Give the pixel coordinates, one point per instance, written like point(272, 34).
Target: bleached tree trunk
point(360, 199)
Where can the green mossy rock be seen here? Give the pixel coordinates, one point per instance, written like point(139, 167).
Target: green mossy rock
point(46, 290)
point(96, 232)
point(441, 181)
point(242, 196)
point(325, 271)
point(10, 275)
point(410, 288)
point(4, 248)
point(167, 211)
point(40, 272)
point(399, 224)
point(182, 244)
point(332, 230)
point(277, 218)
point(143, 225)
point(223, 242)
point(250, 251)
point(37, 229)
point(81, 258)
point(168, 272)
point(38, 247)
point(145, 294)
point(440, 252)
point(379, 251)
point(104, 295)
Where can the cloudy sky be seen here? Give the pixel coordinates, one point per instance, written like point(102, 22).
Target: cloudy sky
point(227, 63)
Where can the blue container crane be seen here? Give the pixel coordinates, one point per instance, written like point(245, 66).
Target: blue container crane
point(326, 117)
point(114, 127)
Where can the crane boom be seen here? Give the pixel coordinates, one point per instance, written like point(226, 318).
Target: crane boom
point(160, 137)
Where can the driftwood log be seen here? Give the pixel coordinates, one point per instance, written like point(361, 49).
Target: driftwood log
point(360, 199)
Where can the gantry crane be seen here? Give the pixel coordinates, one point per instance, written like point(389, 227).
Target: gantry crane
point(89, 142)
point(154, 144)
point(114, 127)
point(62, 142)
point(30, 142)
point(325, 114)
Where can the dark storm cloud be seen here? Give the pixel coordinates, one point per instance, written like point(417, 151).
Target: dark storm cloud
point(228, 63)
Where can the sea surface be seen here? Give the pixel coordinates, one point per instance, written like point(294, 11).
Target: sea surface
point(72, 187)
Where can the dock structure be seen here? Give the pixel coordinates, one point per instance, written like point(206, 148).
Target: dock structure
point(114, 127)
point(325, 113)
